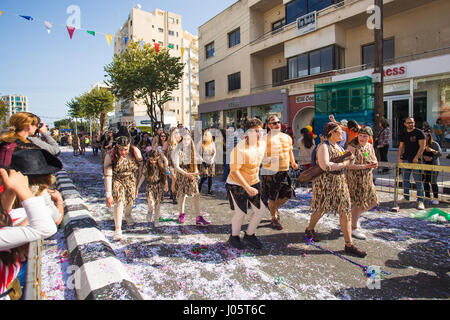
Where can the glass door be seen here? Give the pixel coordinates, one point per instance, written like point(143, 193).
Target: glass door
point(397, 109)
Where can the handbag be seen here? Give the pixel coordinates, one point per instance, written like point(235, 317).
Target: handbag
point(316, 170)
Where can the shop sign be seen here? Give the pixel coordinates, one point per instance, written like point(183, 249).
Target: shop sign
point(394, 72)
point(306, 23)
point(305, 98)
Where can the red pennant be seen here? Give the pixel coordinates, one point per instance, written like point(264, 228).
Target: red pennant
point(156, 47)
point(71, 31)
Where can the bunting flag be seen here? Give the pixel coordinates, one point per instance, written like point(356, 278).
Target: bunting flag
point(171, 46)
point(126, 41)
point(26, 17)
point(48, 25)
point(156, 47)
point(91, 32)
point(71, 31)
point(182, 51)
point(108, 38)
point(1, 13)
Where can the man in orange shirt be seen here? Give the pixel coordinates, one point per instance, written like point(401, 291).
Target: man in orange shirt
point(276, 183)
point(352, 132)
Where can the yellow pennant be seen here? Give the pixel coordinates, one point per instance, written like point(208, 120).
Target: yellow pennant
point(1, 13)
point(108, 38)
point(182, 51)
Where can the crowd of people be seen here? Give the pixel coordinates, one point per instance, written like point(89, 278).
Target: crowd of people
point(258, 159)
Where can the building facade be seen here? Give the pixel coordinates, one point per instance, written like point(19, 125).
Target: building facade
point(165, 29)
point(15, 103)
point(274, 53)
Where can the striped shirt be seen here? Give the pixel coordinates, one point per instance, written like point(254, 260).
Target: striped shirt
point(7, 275)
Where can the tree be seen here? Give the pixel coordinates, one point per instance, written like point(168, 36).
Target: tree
point(75, 111)
point(143, 75)
point(62, 124)
point(4, 111)
point(96, 104)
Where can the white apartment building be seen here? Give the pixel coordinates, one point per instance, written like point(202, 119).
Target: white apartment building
point(15, 103)
point(164, 28)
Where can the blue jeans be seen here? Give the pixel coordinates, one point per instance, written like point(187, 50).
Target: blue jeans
point(226, 171)
point(407, 185)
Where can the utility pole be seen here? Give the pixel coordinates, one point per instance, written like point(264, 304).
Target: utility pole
point(379, 69)
point(189, 81)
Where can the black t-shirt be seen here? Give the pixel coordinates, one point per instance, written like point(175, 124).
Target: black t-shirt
point(411, 142)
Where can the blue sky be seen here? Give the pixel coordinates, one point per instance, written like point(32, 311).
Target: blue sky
point(50, 68)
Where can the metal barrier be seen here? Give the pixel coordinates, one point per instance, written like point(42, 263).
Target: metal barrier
point(389, 178)
point(33, 281)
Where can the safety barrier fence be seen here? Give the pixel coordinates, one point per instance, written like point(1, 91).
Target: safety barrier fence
point(33, 286)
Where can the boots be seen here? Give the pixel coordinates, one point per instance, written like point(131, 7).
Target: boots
point(200, 184)
point(209, 185)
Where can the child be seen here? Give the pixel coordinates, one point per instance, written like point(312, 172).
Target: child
point(155, 176)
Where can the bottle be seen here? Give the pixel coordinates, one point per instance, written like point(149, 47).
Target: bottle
point(168, 171)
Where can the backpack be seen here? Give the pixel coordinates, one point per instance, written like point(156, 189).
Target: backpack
point(6, 151)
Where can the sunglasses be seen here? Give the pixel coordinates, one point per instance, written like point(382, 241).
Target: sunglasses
point(275, 122)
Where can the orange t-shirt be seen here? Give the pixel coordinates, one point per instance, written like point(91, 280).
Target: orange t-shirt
point(352, 135)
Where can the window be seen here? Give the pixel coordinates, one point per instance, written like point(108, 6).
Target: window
point(278, 76)
point(234, 81)
point(171, 20)
point(278, 25)
point(209, 48)
point(171, 33)
point(234, 38)
point(160, 29)
point(298, 8)
point(368, 52)
point(317, 61)
point(210, 89)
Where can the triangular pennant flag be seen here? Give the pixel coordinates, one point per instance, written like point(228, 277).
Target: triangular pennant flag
point(71, 30)
point(170, 46)
point(156, 47)
point(108, 38)
point(48, 25)
point(1, 13)
point(91, 32)
point(182, 51)
point(26, 17)
point(126, 40)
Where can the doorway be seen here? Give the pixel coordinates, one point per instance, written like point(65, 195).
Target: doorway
point(397, 109)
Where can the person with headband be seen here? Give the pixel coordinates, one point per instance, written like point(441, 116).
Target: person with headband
point(363, 193)
point(330, 189)
point(243, 186)
point(186, 183)
point(122, 170)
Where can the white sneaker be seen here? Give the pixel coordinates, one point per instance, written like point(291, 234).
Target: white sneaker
point(403, 200)
point(129, 219)
point(358, 234)
point(435, 202)
point(117, 235)
point(421, 206)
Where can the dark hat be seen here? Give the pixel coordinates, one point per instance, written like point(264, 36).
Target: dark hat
point(35, 162)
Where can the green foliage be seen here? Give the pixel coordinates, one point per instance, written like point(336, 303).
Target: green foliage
point(142, 75)
point(3, 110)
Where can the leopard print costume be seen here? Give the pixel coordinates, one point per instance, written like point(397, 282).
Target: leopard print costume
point(360, 182)
point(124, 181)
point(330, 190)
point(154, 186)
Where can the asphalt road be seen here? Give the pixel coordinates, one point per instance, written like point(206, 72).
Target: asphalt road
point(187, 262)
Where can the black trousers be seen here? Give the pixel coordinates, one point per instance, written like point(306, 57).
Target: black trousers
point(383, 153)
point(430, 178)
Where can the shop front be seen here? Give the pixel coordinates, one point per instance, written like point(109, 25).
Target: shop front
point(418, 89)
point(301, 112)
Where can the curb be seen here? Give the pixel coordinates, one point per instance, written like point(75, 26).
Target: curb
point(99, 274)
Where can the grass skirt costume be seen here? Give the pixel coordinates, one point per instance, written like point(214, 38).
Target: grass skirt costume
point(241, 196)
point(154, 189)
point(330, 192)
point(124, 181)
point(360, 182)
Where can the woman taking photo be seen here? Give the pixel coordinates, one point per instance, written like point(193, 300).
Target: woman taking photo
point(363, 193)
point(431, 156)
point(330, 190)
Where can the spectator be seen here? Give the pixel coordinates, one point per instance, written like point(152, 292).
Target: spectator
point(12, 238)
point(76, 144)
point(22, 126)
point(207, 167)
point(305, 146)
point(439, 131)
point(343, 124)
point(135, 134)
point(82, 137)
point(155, 141)
point(145, 144)
point(431, 156)
point(96, 144)
point(108, 144)
point(412, 146)
point(352, 132)
point(382, 142)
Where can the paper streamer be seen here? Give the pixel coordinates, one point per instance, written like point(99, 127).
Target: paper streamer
point(48, 25)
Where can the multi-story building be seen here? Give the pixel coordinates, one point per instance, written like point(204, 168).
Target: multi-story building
point(265, 60)
point(165, 29)
point(15, 103)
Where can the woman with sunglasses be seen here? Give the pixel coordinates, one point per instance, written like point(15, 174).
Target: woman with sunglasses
point(122, 169)
point(431, 156)
point(330, 190)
